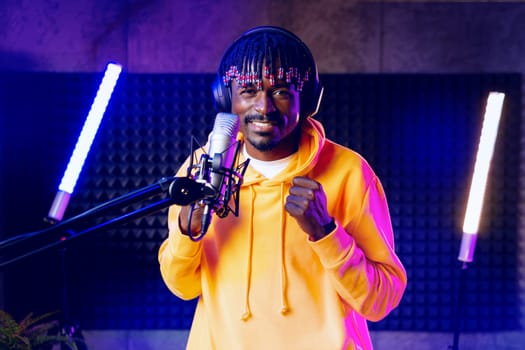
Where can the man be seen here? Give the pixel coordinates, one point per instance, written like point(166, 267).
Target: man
point(310, 258)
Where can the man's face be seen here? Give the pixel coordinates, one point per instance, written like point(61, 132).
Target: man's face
point(269, 117)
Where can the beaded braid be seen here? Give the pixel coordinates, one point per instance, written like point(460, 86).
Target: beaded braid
point(272, 56)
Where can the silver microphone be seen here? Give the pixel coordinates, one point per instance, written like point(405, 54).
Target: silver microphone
point(222, 154)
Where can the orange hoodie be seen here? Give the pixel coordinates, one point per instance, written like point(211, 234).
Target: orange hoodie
point(262, 284)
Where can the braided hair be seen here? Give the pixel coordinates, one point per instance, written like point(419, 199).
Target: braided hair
point(273, 53)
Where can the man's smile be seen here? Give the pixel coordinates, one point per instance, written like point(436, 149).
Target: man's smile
point(262, 126)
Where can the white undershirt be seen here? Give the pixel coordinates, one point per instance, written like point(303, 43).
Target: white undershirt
point(268, 168)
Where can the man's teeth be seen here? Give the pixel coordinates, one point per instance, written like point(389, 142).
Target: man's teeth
point(262, 124)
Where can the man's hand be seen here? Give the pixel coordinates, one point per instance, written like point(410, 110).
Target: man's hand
point(306, 202)
point(195, 219)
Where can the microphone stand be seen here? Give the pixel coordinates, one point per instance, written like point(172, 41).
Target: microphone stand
point(174, 190)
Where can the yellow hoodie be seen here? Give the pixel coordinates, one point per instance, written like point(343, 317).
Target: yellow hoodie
point(262, 284)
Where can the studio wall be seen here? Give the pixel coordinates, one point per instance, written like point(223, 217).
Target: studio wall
point(73, 41)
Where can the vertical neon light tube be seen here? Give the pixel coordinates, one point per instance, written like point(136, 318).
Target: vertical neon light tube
point(484, 155)
point(83, 145)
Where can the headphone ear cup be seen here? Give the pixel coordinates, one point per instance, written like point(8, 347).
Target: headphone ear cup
point(310, 102)
point(221, 96)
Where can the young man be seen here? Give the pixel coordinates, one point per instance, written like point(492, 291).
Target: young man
point(310, 258)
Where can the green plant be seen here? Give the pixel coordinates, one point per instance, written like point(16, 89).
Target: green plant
point(32, 333)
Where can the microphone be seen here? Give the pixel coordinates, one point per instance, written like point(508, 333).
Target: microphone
point(222, 154)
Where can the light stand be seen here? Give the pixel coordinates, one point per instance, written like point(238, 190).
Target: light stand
point(484, 155)
point(73, 169)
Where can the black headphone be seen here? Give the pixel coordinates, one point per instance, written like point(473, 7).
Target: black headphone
point(310, 100)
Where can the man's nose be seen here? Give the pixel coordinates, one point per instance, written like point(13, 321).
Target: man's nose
point(264, 103)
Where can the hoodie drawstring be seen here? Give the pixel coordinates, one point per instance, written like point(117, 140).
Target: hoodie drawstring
point(285, 308)
point(247, 313)
point(284, 300)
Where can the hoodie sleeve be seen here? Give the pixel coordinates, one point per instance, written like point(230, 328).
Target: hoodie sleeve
point(361, 260)
point(180, 259)
point(179, 256)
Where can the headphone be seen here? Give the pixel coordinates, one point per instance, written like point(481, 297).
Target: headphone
point(309, 98)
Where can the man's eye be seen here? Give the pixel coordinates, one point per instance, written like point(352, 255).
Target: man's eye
point(282, 93)
point(249, 91)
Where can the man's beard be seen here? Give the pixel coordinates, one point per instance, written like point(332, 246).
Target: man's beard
point(269, 143)
point(264, 145)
